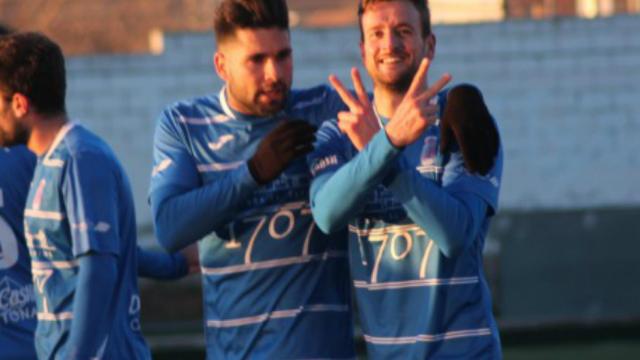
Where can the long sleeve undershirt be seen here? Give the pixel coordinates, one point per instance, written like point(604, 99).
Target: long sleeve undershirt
point(161, 266)
point(90, 326)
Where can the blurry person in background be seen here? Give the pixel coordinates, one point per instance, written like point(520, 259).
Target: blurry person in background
point(417, 188)
point(79, 217)
point(230, 172)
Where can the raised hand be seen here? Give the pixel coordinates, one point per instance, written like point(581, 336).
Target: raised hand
point(415, 112)
point(359, 123)
point(467, 118)
point(289, 140)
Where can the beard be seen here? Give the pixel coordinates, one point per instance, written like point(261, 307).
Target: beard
point(400, 83)
point(267, 101)
point(18, 135)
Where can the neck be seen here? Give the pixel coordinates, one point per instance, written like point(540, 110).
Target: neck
point(44, 131)
point(386, 101)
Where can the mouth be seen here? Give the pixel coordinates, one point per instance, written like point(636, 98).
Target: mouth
point(391, 59)
point(276, 92)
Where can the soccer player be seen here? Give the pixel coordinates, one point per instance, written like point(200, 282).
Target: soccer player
point(79, 218)
point(17, 301)
point(230, 172)
point(417, 214)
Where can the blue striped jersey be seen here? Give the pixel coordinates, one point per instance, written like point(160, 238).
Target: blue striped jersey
point(274, 286)
point(80, 201)
point(414, 302)
point(17, 301)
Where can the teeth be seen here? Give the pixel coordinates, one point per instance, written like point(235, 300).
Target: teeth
point(391, 61)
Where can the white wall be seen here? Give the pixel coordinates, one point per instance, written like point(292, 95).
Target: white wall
point(566, 94)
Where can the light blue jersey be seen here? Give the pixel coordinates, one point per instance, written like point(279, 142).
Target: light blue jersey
point(415, 252)
point(80, 202)
point(275, 287)
point(17, 301)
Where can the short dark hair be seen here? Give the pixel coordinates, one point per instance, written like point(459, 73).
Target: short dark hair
point(231, 15)
point(33, 65)
point(420, 5)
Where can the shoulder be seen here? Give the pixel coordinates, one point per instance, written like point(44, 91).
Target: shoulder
point(313, 96)
point(86, 151)
point(195, 111)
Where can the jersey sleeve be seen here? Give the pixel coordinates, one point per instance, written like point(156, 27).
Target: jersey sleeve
point(454, 213)
point(185, 210)
point(458, 180)
point(90, 192)
point(340, 185)
point(161, 266)
point(173, 166)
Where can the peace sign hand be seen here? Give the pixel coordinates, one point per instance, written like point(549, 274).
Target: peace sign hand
point(416, 112)
point(360, 122)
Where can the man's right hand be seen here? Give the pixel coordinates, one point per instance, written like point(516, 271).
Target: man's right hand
point(415, 113)
point(289, 140)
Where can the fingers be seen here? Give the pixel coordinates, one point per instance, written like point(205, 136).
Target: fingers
point(419, 78)
point(344, 94)
point(359, 87)
point(346, 121)
point(435, 88)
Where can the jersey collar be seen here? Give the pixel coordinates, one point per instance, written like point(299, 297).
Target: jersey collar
point(64, 130)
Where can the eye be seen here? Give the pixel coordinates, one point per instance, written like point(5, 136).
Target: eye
point(256, 59)
point(284, 55)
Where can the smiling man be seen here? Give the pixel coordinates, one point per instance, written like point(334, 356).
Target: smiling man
point(230, 173)
point(416, 193)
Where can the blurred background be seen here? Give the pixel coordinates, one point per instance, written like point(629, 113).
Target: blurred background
point(562, 78)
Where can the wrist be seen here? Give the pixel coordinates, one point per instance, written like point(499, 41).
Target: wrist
point(393, 139)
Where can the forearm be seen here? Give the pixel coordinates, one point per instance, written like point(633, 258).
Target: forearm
point(184, 218)
point(336, 197)
point(452, 220)
point(90, 326)
point(161, 266)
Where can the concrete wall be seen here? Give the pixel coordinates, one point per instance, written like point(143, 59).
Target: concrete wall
point(565, 93)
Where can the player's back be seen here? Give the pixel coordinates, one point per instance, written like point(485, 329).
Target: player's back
point(17, 303)
point(81, 202)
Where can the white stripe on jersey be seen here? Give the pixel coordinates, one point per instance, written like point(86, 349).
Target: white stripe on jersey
point(40, 214)
point(259, 265)
point(56, 163)
point(278, 314)
point(55, 317)
point(415, 283)
point(44, 265)
point(311, 102)
point(212, 167)
point(59, 136)
point(404, 340)
point(218, 119)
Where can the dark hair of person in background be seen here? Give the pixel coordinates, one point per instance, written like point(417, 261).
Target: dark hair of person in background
point(231, 15)
point(33, 65)
point(5, 30)
point(421, 6)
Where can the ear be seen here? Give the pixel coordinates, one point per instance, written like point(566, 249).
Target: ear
point(362, 51)
point(430, 43)
point(20, 105)
point(220, 64)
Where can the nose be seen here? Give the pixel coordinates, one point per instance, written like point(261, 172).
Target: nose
point(391, 40)
point(272, 70)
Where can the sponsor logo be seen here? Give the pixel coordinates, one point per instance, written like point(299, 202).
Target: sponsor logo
point(17, 301)
point(222, 140)
point(323, 163)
